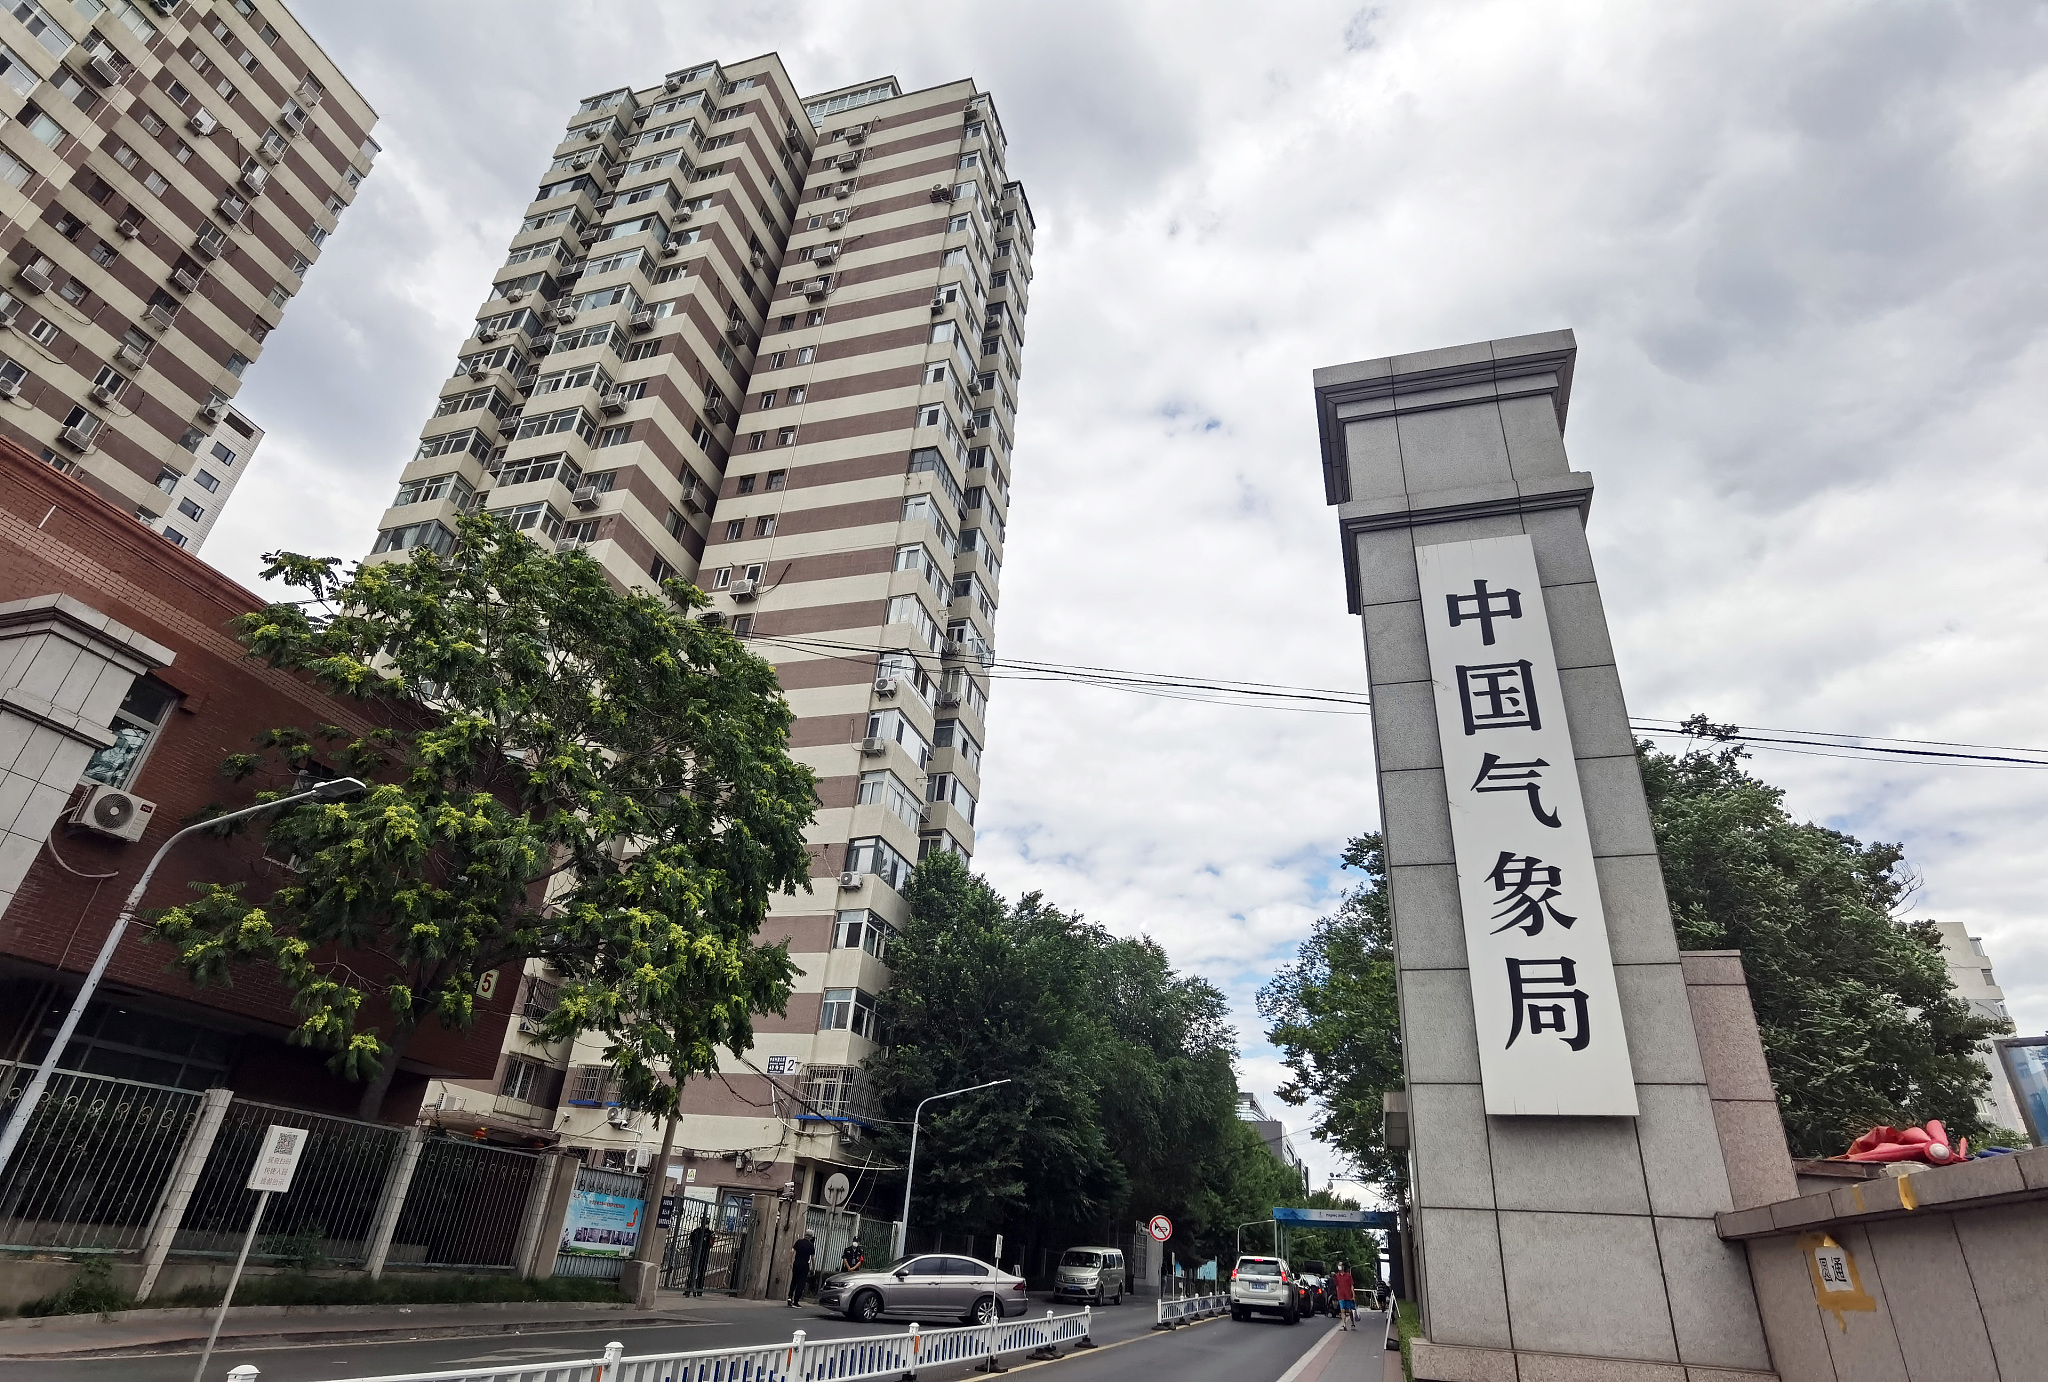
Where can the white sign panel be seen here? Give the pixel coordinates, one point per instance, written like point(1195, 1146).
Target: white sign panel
point(1543, 995)
point(278, 1161)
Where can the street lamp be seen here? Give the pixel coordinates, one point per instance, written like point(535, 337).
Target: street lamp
point(1247, 1224)
point(331, 790)
point(910, 1170)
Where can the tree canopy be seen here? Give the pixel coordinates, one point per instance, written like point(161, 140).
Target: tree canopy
point(565, 770)
point(1123, 1096)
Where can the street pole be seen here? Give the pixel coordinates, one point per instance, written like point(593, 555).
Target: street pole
point(910, 1170)
point(11, 1135)
point(241, 1260)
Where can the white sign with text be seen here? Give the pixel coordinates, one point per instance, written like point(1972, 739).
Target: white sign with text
point(278, 1161)
point(1543, 993)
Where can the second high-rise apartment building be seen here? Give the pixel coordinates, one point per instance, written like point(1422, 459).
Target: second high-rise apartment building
point(771, 344)
point(169, 173)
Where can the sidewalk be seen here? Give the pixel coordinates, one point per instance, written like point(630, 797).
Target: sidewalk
point(138, 1333)
point(1358, 1355)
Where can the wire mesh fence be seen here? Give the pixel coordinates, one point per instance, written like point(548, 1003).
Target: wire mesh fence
point(330, 1213)
point(90, 1169)
point(465, 1207)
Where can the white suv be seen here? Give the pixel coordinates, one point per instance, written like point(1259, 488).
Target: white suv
point(1264, 1285)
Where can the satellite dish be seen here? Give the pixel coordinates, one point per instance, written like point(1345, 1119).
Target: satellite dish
point(837, 1188)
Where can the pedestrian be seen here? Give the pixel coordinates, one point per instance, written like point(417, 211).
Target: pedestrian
point(853, 1258)
point(1347, 1297)
point(700, 1258)
point(800, 1267)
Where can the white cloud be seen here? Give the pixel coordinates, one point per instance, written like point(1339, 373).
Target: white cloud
point(1800, 248)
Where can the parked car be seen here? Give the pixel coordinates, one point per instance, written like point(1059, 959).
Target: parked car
point(1264, 1286)
point(1091, 1274)
point(1315, 1288)
point(926, 1286)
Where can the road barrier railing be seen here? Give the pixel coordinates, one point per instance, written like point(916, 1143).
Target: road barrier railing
point(1175, 1313)
point(800, 1359)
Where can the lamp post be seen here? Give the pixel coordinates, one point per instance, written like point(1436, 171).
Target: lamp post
point(31, 1096)
point(910, 1170)
point(1247, 1224)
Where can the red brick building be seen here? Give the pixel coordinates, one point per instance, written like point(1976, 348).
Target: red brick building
point(118, 673)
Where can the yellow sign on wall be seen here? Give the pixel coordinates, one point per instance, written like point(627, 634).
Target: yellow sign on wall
point(1837, 1284)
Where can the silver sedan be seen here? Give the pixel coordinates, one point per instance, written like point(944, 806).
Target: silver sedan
point(926, 1286)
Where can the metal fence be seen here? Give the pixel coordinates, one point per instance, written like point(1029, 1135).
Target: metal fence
point(702, 1254)
point(799, 1360)
point(327, 1218)
point(465, 1207)
point(91, 1167)
point(1188, 1309)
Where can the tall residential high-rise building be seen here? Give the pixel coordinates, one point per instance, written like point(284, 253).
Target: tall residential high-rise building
point(170, 172)
point(1970, 973)
point(771, 344)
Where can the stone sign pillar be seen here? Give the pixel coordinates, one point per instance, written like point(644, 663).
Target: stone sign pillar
point(1565, 1163)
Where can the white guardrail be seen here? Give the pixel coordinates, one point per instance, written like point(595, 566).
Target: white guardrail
point(1175, 1313)
point(799, 1360)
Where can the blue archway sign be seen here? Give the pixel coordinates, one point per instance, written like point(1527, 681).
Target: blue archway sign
point(1335, 1218)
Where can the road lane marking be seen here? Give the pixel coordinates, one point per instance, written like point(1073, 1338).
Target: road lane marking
point(1323, 1345)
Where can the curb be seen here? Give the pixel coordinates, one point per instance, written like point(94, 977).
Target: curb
point(375, 1334)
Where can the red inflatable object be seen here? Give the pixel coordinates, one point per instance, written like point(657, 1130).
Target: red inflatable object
point(1929, 1144)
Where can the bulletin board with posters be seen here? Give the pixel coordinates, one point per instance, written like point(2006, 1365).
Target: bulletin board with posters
point(601, 1225)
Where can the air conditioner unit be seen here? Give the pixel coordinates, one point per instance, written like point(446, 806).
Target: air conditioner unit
point(736, 332)
point(272, 147)
point(585, 497)
point(843, 190)
point(941, 192)
point(570, 544)
point(756, 258)
point(671, 250)
point(214, 409)
point(613, 402)
point(104, 392)
point(642, 320)
point(79, 438)
point(184, 280)
point(33, 279)
point(683, 216)
point(110, 811)
point(849, 880)
point(212, 240)
point(293, 117)
point(837, 219)
point(618, 1117)
point(516, 295)
point(255, 179)
point(873, 747)
point(743, 589)
point(603, 203)
point(487, 333)
point(924, 812)
point(165, 6)
point(817, 288)
point(947, 700)
point(233, 208)
point(847, 162)
point(202, 121)
point(580, 161)
point(450, 1103)
point(131, 355)
point(128, 230)
point(10, 388)
point(885, 686)
point(673, 84)
point(939, 306)
point(159, 316)
point(826, 253)
point(528, 1027)
point(856, 134)
point(565, 313)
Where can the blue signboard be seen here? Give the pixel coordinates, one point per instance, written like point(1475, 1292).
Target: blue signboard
point(1335, 1218)
point(600, 1225)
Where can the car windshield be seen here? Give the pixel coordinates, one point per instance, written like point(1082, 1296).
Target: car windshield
point(1081, 1259)
point(1258, 1264)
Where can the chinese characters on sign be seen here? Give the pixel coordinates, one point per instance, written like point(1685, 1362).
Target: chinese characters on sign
point(277, 1161)
point(1543, 991)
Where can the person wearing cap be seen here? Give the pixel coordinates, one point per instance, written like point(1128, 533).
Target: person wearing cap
point(800, 1266)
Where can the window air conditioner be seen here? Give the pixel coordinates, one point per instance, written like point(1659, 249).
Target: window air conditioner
point(671, 250)
point(580, 161)
point(673, 84)
point(856, 134)
point(849, 880)
point(215, 409)
point(736, 332)
point(487, 333)
point(836, 219)
point(528, 1027)
point(128, 230)
point(110, 811)
point(743, 589)
point(10, 388)
point(184, 280)
point(885, 686)
point(642, 320)
point(618, 1117)
point(947, 700)
point(255, 179)
point(570, 544)
point(847, 162)
point(233, 208)
point(103, 392)
point(683, 216)
point(979, 385)
point(873, 747)
point(817, 288)
point(565, 313)
point(211, 240)
point(843, 190)
point(79, 438)
point(202, 121)
point(108, 74)
point(941, 192)
point(613, 402)
point(294, 118)
point(516, 295)
point(159, 316)
point(33, 279)
point(131, 355)
point(585, 497)
point(165, 6)
point(938, 306)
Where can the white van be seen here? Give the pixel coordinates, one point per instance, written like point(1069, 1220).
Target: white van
point(1091, 1274)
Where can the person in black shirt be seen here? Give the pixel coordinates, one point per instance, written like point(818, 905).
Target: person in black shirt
point(800, 1266)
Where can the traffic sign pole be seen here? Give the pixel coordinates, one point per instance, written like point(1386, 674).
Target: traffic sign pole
point(277, 1161)
point(241, 1260)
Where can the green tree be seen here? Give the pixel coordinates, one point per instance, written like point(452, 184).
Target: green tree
point(1859, 1022)
point(1337, 1022)
point(564, 770)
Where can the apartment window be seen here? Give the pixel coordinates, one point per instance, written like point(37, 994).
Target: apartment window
point(178, 94)
point(643, 350)
point(816, 317)
point(191, 510)
point(764, 526)
point(950, 734)
point(722, 579)
point(13, 171)
point(861, 929)
point(755, 440)
point(616, 436)
point(223, 453)
point(430, 535)
point(746, 485)
point(109, 379)
point(735, 530)
point(875, 855)
point(174, 537)
point(42, 127)
point(237, 362)
point(535, 517)
point(798, 393)
point(450, 486)
point(778, 479)
point(659, 571)
point(167, 479)
point(848, 1010)
point(786, 437)
point(135, 727)
point(43, 333)
point(742, 624)
point(72, 291)
point(768, 399)
point(788, 323)
point(226, 89)
point(701, 435)
point(884, 788)
point(806, 354)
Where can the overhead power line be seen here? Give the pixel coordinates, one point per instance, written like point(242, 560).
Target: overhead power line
point(1322, 700)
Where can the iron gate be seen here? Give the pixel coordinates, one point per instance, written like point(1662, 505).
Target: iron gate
point(707, 1250)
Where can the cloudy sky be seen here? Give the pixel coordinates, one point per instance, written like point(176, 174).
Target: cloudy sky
point(1801, 247)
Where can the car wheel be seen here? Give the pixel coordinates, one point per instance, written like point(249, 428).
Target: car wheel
point(984, 1311)
point(1292, 1317)
point(1237, 1314)
point(865, 1308)
point(1117, 1299)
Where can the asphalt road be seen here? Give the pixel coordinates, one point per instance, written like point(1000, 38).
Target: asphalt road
point(1220, 1350)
